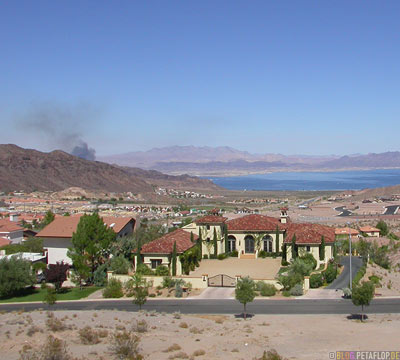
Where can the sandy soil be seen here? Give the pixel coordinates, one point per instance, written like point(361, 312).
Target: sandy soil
point(390, 280)
point(216, 336)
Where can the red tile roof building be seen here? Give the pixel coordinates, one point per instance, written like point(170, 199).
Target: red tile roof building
point(165, 244)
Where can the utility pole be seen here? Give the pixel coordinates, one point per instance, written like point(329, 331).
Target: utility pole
point(351, 280)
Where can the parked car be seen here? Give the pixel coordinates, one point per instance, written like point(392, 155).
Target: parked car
point(40, 278)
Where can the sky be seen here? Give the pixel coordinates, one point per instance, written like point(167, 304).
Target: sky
point(289, 77)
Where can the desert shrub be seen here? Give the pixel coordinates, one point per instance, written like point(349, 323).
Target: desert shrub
point(316, 281)
point(330, 273)
point(290, 280)
point(270, 355)
point(162, 270)
point(141, 326)
point(195, 330)
point(309, 259)
point(125, 345)
point(296, 290)
point(178, 290)
point(379, 255)
point(88, 336)
point(266, 289)
point(176, 315)
point(119, 264)
point(143, 269)
point(113, 289)
point(222, 256)
point(15, 275)
point(100, 275)
point(262, 254)
point(168, 282)
point(179, 355)
point(173, 347)
point(55, 324)
point(375, 280)
point(199, 352)
point(32, 330)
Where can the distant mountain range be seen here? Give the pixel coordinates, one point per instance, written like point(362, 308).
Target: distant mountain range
point(28, 170)
point(226, 161)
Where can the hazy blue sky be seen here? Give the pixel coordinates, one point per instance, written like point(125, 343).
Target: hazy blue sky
point(310, 77)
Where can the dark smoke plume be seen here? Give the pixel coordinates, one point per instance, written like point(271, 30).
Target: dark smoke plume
point(60, 127)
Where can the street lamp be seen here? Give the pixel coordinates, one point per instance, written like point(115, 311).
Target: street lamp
point(351, 280)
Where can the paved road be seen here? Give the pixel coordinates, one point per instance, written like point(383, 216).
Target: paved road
point(342, 281)
point(391, 210)
point(343, 211)
point(224, 306)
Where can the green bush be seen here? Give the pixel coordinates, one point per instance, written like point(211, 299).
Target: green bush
point(162, 270)
point(262, 254)
point(296, 290)
point(143, 269)
point(168, 282)
point(119, 265)
point(360, 274)
point(222, 256)
point(178, 290)
point(284, 262)
point(266, 289)
point(316, 281)
point(212, 256)
point(15, 275)
point(205, 256)
point(330, 273)
point(286, 293)
point(301, 267)
point(310, 260)
point(113, 289)
point(234, 253)
point(290, 280)
point(375, 280)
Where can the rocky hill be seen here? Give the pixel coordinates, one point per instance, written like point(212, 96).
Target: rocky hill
point(29, 170)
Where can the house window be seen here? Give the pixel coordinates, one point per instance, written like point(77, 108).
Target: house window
point(208, 227)
point(155, 263)
point(208, 239)
point(231, 243)
point(308, 248)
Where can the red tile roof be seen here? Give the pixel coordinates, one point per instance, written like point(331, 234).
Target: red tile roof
point(369, 229)
point(4, 242)
point(309, 233)
point(165, 244)
point(7, 226)
point(346, 231)
point(211, 219)
point(255, 222)
point(65, 226)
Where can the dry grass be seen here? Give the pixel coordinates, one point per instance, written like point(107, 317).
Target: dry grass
point(183, 325)
point(173, 347)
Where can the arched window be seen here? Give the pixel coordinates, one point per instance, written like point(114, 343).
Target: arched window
point(231, 243)
point(249, 244)
point(267, 243)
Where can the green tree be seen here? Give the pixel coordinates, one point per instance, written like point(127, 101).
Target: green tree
point(383, 227)
point(140, 290)
point(363, 248)
point(215, 242)
point(173, 260)
point(277, 240)
point(200, 244)
point(15, 275)
point(138, 256)
point(362, 295)
point(284, 253)
point(245, 292)
point(91, 245)
point(226, 239)
point(50, 297)
point(322, 249)
point(294, 247)
point(48, 218)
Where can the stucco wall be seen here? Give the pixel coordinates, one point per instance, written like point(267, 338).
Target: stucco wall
point(57, 249)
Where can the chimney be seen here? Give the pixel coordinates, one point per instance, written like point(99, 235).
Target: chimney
point(284, 215)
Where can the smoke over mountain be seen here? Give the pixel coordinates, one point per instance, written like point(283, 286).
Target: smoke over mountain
point(60, 127)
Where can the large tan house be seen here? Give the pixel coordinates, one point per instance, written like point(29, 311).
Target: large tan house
point(57, 236)
point(250, 235)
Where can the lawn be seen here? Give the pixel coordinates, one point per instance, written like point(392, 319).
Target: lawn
point(38, 294)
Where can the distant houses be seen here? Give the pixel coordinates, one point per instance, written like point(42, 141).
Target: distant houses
point(10, 231)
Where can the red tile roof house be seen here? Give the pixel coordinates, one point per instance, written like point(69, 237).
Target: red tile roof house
point(57, 235)
point(11, 231)
point(370, 231)
point(159, 251)
point(253, 233)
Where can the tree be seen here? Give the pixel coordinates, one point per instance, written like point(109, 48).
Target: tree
point(48, 218)
point(91, 245)
point(226, 239)
point(277, 240)
point(322, 249)
point(140, 290)
point(363, 249)
point(294, 247)
point(138, 256)
point(362, 295)
point(15, 275)
point(383, 227)
point(215, 242)
point(56, 274)
point(173, 260)
point(245, 292)
point(200, 244)
point(50, 297)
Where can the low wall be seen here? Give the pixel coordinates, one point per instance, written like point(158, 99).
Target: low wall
point(272, 282)
point(197, 282)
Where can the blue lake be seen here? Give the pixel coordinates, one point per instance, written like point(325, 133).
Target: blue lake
point(339, 180)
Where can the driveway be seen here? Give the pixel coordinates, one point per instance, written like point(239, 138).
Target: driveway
point(343, 280)
point(255, 268)
point(215, 293)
